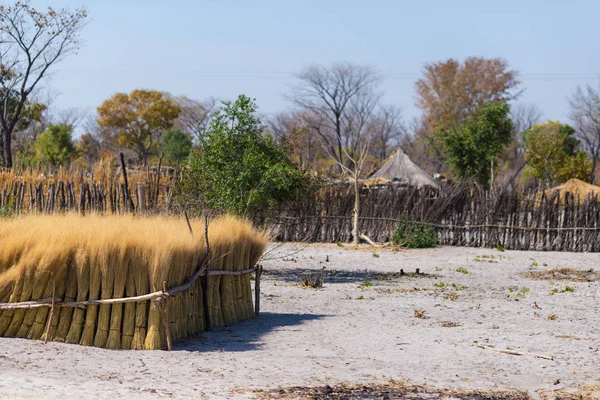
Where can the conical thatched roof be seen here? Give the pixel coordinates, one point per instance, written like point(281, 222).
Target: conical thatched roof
point(576, 187)
point(399, 166)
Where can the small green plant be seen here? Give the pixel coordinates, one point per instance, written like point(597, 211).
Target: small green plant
point(365, 285)
point(439, 284)
point(462, 270)
point(459, 287)
point(438, 269)
point(545, 265)
point(534, 264)
point(6, 212)
point(500, 248)
point(414, 235)
point(376, 255)
point(565, 290)
point(340, 244)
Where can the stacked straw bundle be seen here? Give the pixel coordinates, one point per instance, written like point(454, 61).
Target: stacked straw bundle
point(108, 257)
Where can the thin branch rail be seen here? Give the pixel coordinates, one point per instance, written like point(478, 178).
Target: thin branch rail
point(449, 226)
point(135, 299)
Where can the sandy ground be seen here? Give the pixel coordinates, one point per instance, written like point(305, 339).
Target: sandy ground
point(356, 332)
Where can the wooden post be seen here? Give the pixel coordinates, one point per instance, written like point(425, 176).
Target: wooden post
point(205, 286)
point(259, 270)
point(187, 219)
point(164, 308)
point(126, 194)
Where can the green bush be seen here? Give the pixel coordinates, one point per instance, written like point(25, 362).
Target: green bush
point(6, 212)
point(240, 168)
point(414, 236)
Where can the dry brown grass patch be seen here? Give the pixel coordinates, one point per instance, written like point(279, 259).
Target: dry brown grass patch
point(392, 390)
point(450, 324)
point(567, 274)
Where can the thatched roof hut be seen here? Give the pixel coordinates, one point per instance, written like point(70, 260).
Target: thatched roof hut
point(400, 167)
point(578, 188)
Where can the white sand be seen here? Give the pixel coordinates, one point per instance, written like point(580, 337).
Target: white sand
point(317, 337)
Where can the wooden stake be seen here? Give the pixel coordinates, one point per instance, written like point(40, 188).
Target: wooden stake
point(205, 286)
point(259, 270)
point(49, 322)
point(187, 219)
point(127, 194)
point(164, 309)
point(514, 352)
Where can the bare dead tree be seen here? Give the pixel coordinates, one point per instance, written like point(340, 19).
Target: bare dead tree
point(327, 94)
point(305, 142)
point(31, 42)
point(389, 129)
point(585, 115)
point(523, 117)
point(70, 116)
point(195, 115)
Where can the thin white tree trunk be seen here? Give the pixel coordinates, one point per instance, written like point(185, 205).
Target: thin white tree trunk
point(356, 211)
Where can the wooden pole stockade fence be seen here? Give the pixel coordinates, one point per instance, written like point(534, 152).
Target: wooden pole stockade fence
point(158, 298)
point(461, 216)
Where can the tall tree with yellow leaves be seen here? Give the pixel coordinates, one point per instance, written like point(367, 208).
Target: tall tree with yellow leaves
point(140, 118)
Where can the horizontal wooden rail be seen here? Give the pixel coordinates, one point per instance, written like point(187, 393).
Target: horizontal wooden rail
point(161, 294)
point(449, 226)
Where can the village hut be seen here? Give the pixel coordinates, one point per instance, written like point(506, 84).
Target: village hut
point(574, 188)
point(398, 167)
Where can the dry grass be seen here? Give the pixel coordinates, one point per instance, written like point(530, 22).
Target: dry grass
point(116, 256)
point(450, 324)
point(567, 274)
point(392, 390)
point(588, 392)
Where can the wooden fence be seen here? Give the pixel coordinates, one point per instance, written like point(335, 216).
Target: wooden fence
point(49, 196)
point(462, 216)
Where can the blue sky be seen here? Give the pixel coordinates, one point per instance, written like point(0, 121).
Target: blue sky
point(223, 48)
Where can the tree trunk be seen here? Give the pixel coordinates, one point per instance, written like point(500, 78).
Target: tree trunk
point(1, 148)
point(7, 153)
point(593, 174)
point(356, 211)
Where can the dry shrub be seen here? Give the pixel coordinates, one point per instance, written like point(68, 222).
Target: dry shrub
point(313, 280)
point(120, 256)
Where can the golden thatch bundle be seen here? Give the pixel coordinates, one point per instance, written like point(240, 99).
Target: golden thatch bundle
point(77, 258)
point(579, 189)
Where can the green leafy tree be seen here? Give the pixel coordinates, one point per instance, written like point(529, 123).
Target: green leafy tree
point(55, 145)
point(471, 149)
point(176, 146)
point(238, 167)
point(551, 150)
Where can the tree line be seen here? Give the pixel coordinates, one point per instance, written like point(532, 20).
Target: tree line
point(472, 126)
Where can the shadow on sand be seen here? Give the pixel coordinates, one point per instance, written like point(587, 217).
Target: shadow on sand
point(245, 335)
point(294, 275)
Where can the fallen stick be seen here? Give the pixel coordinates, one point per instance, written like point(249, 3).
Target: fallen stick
point(372, 243)
point(514, 352)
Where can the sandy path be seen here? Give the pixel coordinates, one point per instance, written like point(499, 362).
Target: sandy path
point(347, 333)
